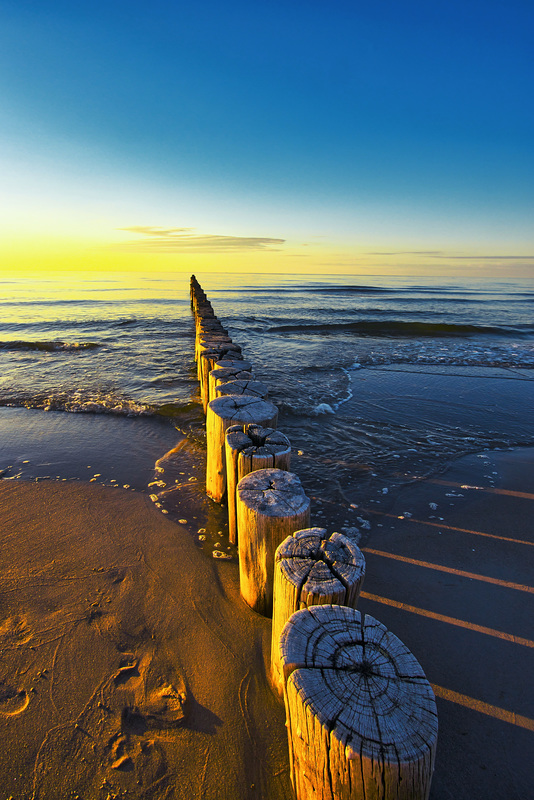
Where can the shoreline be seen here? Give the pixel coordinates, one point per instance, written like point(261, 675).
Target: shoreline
point(132, 605)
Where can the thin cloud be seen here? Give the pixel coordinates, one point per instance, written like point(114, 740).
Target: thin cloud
point(443, 254)
point(184, 240)
point(436, 253)
point(487, 258)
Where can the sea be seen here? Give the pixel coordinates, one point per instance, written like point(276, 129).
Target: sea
point(380, 381)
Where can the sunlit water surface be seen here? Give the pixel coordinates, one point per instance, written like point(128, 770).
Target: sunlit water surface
point(378, 380)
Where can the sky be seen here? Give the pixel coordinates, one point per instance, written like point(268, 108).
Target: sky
point(393, 136)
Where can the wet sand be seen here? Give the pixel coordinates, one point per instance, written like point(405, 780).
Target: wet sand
point(131, 668)
point(450, 572)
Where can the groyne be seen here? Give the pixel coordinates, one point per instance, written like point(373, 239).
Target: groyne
point(361, 715)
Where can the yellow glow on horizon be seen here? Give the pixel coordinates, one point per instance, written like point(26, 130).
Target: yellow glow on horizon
point(119, 250)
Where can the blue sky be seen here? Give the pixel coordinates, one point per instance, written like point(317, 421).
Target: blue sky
point(345, 128)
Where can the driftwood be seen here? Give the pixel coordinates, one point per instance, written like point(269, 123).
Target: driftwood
point(221, 413)
point(248, 448)
point(312, 568)
point(361, 714)
point(225, 374)
point(254, 388)
point(271, 504)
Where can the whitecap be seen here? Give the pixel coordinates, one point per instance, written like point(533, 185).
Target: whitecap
point(324, 408)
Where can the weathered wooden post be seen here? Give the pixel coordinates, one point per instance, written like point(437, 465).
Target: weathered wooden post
point(227, 358)
point(312, 568)
point(361, 715)
point(229, 361)
point(271, 504)
point(254, 388)
point(207, 360)
point(218, 375)
point(207, 339)
point(221, 413)
point(248, 448)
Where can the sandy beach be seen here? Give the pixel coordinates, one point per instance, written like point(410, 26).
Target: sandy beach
point(329, 204)
point(131, 667)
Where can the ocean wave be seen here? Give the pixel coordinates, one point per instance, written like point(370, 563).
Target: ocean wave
point(96, 402)
point(400, 328)
point(57, 302)
point(48, 347)
point(79, 402)
point(347, 289)
point(455, 355)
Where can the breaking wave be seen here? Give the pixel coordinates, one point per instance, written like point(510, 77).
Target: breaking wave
point(96, 402)
point(399, 328)
point(48, 347)
point(78, 402)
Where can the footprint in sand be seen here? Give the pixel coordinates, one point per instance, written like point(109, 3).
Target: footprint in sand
point(12, 701)
point(159, 697)
point(128, 672)
point(165, 705)
point(14, 630)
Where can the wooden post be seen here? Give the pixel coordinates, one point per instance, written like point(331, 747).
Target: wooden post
point(221, 413)
point(268, 448)
point(229, 361)
point(312, 568)
point(223, 375)
point(206, 362)
point(361, 715)
point(212, 336)
point(207, 340)
point(271, 504)
point(255, 388)
point(249, 448)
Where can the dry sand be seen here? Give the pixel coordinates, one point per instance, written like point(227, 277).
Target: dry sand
point(129, 666)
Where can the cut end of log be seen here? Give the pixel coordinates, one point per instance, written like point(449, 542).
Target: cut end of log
point(312, 568)
point(360, 683)
point(270, 505)
point(273, 493)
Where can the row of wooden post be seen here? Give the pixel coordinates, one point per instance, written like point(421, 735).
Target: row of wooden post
point(361, 715)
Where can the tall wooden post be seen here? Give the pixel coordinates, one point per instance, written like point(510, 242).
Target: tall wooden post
point(361, 715)
point(248, 448)
point(312, 568)
point(271, 504)
point(226, 374)
point(221, 413)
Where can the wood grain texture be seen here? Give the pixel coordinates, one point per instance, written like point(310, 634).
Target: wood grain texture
point(248, 448)
point(312, 568)
point(228, 361)
point(221, 413)
point(207, 360)
point(226, 374)
point(239, 386)
point(271, 504)
point(361, 715)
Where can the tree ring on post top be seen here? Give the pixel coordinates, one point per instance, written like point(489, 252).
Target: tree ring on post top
point(312, 568)
point(271, 504)
point(361, 713)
